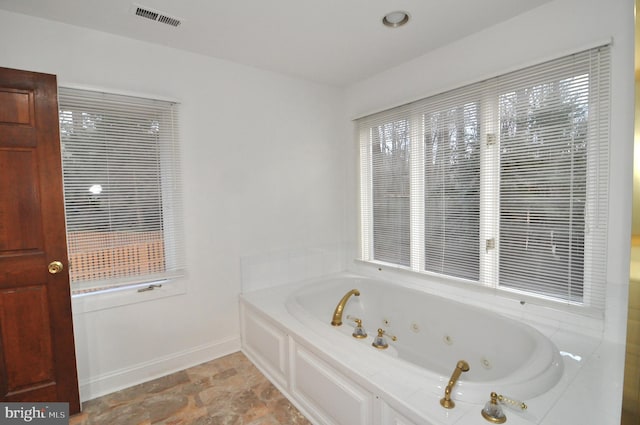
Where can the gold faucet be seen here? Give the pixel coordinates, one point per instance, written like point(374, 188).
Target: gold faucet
point(493, 412)
point(358, 331)
point(446, 402)
point(337, 314)
point(379, 341)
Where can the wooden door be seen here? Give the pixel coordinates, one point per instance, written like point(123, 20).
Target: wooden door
point(37, 354)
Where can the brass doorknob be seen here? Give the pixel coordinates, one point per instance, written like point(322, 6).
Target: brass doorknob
point(55, 267)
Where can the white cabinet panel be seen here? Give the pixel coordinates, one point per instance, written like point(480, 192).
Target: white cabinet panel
point(266, 344)
point(390, 416)
point(325, 392)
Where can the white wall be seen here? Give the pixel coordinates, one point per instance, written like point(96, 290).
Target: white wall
point(263, 172)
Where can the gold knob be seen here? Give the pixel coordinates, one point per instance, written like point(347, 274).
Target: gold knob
point(55, 267)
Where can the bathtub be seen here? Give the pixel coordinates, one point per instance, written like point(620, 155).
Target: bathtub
point(336, 379)
point(433, 333)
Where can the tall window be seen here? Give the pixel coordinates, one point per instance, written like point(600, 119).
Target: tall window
point(452, 190)
point(501, 183)
point(390, 179)
point(543, 185)
point(122, 186)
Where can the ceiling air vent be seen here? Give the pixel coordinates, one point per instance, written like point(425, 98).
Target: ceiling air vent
point(155, 16)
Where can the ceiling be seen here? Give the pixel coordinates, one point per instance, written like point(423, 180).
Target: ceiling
point(335, 42)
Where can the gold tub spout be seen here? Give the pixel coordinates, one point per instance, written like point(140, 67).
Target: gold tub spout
point(337, 314)
point(446, 402)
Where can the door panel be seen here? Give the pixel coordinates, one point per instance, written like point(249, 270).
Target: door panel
point(18, 116)
point(37, 353)
point(19, 220)
point(33, 355)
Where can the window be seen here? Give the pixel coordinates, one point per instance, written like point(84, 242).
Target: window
point(122, 188)
point(452, 189)
point(502, 183)
point(390, 180)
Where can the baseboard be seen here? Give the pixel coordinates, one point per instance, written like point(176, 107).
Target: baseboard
point(106, 383)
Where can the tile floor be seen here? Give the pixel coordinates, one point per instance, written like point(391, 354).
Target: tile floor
point(226, 391)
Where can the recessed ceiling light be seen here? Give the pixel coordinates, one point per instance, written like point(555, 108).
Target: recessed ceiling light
point(395, 19)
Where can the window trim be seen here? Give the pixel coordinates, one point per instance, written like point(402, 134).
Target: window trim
point(126, 295)
point(489, 223)
point(172, 281)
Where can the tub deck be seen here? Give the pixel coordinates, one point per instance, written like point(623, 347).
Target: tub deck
point(333, 381)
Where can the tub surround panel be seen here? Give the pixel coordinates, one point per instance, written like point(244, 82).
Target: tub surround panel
point(261, 335)
point(390, 416)
point(398, 399)
point(333, 398)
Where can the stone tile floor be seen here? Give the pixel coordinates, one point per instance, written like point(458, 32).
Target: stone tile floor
point(226, 391)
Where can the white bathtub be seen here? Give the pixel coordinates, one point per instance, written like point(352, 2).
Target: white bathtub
point(336, 379)
point(433, 333)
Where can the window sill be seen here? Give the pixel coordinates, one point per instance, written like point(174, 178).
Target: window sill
point(533, 309)
point(103, 300)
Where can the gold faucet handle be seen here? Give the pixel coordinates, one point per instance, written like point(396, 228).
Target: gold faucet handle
point(492, 412)
point(358, 331)
point(355, 319)
point(379, 341)
point(510, 402)
point(382, 332)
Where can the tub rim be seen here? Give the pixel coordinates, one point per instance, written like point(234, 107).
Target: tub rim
point(545, 361)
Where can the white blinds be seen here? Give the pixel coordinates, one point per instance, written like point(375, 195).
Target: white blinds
point(122, 185)
point(554, 133)
point(503, 182)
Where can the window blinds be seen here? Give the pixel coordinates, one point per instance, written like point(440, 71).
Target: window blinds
point(503, 182)
point(554, 135)
point(122, 186)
